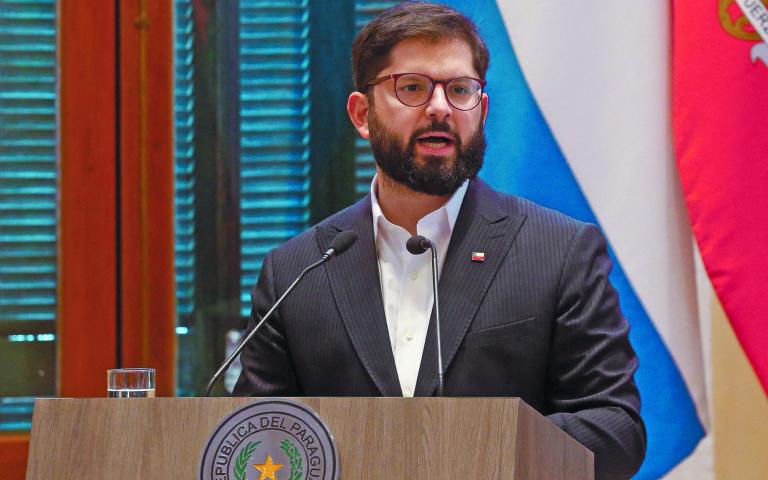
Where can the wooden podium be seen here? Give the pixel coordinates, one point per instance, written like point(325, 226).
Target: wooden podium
point(378, 438)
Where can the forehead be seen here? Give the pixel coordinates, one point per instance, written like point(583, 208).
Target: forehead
point(439, 59)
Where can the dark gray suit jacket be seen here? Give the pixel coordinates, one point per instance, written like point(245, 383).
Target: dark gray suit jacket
point(537, 319)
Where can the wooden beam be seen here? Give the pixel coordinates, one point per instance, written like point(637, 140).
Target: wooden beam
point(86, 322)
point(148, 335)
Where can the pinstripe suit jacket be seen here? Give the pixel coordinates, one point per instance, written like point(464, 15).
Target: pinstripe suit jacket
point(537, 319)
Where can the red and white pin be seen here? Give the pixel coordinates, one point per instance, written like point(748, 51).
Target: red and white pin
point(478, 256)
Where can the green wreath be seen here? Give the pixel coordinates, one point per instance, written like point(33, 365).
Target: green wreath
point(241, 464)
point(297, 465)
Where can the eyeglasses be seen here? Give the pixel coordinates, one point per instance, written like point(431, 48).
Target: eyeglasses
point(415, 89)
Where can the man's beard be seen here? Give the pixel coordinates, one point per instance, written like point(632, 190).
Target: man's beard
point(435, 176)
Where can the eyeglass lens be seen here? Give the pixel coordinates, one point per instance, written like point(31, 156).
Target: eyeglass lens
point(415, 89)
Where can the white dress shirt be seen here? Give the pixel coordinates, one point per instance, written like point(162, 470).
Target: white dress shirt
point(406, 281)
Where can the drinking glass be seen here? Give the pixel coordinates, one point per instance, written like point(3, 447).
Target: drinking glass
point(130, 382)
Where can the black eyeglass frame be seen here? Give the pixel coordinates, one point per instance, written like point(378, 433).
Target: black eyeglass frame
point(433, 82)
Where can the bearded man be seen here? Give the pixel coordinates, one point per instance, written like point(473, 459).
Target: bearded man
point(526, 307)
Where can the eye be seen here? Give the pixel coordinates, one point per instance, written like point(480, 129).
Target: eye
point(461, 87)
point(411, 87)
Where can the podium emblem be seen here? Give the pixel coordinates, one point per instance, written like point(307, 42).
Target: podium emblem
point(271, 439)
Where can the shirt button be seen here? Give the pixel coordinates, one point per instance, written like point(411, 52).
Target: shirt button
point(409, 336)
point(407, 392)
point(414, 275)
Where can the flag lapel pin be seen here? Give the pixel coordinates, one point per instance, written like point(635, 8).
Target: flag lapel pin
point(478, 256)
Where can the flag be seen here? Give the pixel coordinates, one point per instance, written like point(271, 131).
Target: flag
point(579, 121)
point(478, 256)
point(720, 92)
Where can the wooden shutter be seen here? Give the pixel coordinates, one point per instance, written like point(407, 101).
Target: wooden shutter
point(28, 206)
point(274, 130)
point(184, 150)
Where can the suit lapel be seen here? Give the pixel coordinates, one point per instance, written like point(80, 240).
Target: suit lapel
point(354, 281)
point(482, 226)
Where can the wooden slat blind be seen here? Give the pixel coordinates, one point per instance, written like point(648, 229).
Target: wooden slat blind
point(184, 167)
point(274, 128)
point(28, 206)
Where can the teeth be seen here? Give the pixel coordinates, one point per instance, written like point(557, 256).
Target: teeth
point(435, 144)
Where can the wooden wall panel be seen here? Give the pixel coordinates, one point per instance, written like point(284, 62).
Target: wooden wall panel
point(87, 241)
point(147, 294)
point(14, 450)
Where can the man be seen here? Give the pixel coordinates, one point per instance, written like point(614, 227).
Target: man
point(526, 307)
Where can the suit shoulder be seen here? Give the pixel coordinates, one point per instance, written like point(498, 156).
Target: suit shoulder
point(555, 235)
point(540, 216)
point(307, 240)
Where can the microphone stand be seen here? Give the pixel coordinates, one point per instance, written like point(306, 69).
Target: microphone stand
point(250, 335)
point(339, 245)
point(437, 320)
point(417, 245)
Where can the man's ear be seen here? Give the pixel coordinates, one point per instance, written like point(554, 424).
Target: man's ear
point(484, 106)
point(357, 109)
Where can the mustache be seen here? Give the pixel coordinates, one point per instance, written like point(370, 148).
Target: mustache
point(436, 126)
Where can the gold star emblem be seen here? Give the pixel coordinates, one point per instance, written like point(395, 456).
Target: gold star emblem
point(268, 469)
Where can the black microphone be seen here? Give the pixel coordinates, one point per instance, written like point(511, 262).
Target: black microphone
point(418, 245)
point(340, 243)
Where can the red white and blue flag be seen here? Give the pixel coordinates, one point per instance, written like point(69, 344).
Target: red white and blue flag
point(580, 121)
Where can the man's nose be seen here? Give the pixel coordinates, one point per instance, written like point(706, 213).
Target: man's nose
point(438, 106)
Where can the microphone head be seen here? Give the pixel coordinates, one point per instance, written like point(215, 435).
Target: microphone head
point(417, 244)
point(342, 241)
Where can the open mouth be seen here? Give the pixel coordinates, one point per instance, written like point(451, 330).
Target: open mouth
point(435, 140)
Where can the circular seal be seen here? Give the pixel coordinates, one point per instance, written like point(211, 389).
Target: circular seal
point(273, 438)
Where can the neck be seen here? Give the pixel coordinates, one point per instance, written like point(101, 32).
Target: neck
point(403, 206)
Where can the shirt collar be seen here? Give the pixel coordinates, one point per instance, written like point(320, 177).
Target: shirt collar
point(451, 207)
